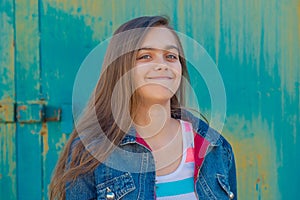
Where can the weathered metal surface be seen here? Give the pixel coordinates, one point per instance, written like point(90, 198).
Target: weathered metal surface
point(37, 112)
point(30, 113)
point(8, 175)
point(7, 112)
point(28, 90)
point(8, 172)
point(7, 86)
point(255, 44)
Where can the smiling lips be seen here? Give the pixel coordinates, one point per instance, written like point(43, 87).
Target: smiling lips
point(160, 77)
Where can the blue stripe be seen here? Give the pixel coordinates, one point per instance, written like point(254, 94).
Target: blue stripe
point(175, 188)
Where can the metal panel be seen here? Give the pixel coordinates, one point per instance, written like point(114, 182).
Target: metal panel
point(7, 112)
point(30, 113)
point(8, 175)
point(28, 140)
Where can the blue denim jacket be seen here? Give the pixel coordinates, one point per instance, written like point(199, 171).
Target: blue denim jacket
point(129, 172)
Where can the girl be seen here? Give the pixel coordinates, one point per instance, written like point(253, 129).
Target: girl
point(135, 140)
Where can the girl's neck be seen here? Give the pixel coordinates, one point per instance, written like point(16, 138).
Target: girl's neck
point(150, 114)
point(154, 123)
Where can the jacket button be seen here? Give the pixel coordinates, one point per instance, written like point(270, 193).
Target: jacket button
point(109, 194)
point(231, 195)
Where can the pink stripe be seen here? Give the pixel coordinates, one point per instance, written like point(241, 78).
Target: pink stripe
point(141, 141)
point(190, 155)
point(201, 145)
point(187, 126)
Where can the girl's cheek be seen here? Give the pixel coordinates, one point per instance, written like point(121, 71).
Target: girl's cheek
point(178, 69)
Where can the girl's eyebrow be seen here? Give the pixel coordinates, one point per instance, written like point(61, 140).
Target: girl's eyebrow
point(168, 47)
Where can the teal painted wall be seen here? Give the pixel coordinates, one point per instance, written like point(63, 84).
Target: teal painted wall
point(254, 43)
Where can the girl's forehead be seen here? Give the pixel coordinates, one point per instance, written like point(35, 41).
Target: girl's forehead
point(159, 38)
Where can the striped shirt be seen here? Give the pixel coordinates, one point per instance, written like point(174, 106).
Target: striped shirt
point(180, 183)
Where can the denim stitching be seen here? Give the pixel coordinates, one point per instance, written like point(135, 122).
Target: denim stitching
point(206, 188)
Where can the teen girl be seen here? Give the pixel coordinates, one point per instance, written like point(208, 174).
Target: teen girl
point(134, 140)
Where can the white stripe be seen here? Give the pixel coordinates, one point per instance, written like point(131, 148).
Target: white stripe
point(188, 196)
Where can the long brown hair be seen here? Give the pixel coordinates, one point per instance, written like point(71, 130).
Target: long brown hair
point(97, 126)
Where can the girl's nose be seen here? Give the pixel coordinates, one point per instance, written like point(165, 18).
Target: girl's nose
point(160, 67)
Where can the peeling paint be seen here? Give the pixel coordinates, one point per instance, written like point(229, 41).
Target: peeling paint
point(60, 144)
point(273, 33)
point(8, 160)
point(44, 134)
point(27, 50)
point(6, 112)
point(89, 11)
point(6, 55)
point(254, 147)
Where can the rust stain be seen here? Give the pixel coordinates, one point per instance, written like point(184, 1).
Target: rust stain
point(22, 107)
point(44, 134)
point(18, 116)
point(257, 180)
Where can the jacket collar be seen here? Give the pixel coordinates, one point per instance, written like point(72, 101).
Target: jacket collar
point(203, 129)
point(199, 126)
point(130, 136)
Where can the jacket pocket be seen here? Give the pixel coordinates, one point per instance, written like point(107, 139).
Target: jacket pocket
point(116, 187)
point(223, 181)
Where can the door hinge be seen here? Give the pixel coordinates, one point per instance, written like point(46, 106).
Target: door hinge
point(28, 113)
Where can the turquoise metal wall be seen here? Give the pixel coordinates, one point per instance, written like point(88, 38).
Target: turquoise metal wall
point(255, 44)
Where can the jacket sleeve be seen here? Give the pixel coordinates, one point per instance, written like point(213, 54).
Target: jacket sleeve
point(83, 188)
point(232, 177)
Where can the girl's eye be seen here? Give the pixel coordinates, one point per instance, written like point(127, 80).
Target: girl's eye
point(172, 57)
point(144, 57)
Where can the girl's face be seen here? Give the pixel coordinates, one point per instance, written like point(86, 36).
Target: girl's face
point(157, 72)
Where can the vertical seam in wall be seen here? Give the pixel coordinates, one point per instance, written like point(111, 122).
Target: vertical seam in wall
point(15, 95)
point(41, 97)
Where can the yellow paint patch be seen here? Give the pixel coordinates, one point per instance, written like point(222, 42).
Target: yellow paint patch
point(255, 152)
point(89, 11)
point(61, 143)
point(7, 112)
point(44, 134)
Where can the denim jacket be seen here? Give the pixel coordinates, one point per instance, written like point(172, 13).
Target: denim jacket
point(129, 172)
